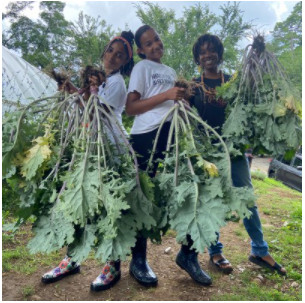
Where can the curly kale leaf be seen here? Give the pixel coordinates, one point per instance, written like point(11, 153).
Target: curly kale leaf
point(51, 233)
point(82, 246)
point(116, 246)
point(80, 198)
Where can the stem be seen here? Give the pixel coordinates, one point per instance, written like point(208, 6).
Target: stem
point(220, 139)
point(116, 123)
point(177, 146)
point(169, 142)
point(100, 139)
point(158, 134)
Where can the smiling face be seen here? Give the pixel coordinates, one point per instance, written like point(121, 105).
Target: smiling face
point(115, 57)
point(208, 57)
point(151, 46)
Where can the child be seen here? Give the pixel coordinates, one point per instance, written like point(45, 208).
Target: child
point(151, 94)
point(208, 53)
point(118, 62)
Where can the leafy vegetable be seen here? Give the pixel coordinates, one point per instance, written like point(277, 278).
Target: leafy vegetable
point(79, 172)
point(196, 179)
point(263, 108)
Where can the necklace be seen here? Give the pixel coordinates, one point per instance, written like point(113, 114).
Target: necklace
point(209, 90)
point(210, 93)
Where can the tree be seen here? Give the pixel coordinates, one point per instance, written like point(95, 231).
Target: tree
point(178, 34)
point(232, 29)
point(52, 41)
point(287, 35)
point(43, 42)
point(286, 43)
point(90, 37)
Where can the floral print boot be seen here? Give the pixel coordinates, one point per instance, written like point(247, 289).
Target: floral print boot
point(66, 267)
point(108, 277)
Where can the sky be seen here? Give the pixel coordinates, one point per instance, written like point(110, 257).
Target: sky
point(263, 14)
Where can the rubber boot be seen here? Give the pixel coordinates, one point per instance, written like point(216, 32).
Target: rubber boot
point(187, 259)
point(139, 268)
point(109, 276)
point(65, 268)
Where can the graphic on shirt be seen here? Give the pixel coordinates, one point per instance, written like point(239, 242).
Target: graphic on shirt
point(161, 79)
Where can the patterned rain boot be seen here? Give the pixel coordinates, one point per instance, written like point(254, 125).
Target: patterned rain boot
point(108, 277)
point(187, 259)
point(139, 268)
point(65, 268)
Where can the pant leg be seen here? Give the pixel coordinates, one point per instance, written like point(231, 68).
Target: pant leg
point(241, 177)
point(216, 249)
point(143, 145)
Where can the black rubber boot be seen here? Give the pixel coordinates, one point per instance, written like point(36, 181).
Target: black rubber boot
point(139, 268)
point(187, 259)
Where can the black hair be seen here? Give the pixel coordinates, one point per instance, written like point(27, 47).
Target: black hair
point(126, 69)
point(210, 39)
point(141, 30)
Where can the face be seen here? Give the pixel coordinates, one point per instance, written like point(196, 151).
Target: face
point(208, 57)
point(115, 56)
point(151, 46)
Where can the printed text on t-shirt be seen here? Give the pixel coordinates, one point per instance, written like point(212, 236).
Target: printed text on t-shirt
point(161, 79)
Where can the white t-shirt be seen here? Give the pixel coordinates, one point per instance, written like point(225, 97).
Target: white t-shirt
point(113, 91)
point(150, 78)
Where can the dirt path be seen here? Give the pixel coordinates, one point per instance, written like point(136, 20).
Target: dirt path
point(260, 164)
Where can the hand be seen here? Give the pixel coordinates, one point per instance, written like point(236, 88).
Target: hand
point(69, 87)
point(175, 93)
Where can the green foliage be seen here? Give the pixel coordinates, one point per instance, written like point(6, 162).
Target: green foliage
point(263, 107)
point(196, 181)
point(80, 200)
point(232, 29)
point(258, 175)
point(286, 43)
point(51, 233)
point(179, 34)
point(84, 190)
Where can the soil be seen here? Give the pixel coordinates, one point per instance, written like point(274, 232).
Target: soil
point(174, 284)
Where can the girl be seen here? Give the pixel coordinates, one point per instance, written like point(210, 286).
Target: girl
point(118, 62)
point(208, 54)
point(151, 94)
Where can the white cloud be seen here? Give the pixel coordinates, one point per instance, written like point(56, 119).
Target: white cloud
point(280, 10)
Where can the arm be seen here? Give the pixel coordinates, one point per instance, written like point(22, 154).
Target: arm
point(135, 106)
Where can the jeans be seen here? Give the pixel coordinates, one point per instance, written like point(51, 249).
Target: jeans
point(241, 177)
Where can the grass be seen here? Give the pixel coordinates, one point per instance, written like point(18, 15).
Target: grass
point(283, 208)
point(28, 291)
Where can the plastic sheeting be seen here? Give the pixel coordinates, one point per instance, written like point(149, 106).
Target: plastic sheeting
point(22, 82)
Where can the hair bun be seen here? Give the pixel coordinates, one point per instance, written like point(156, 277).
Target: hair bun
point(129, 36)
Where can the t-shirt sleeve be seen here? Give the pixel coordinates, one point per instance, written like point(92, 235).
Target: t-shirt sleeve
point(114, 93)
point(137, 79)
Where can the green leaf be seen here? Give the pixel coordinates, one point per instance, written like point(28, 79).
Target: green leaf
point(141, 209)
point(35, 157)
point(51, 233)
point(200, 215)
point(80, 199)
point(119, 245)
point(83, 244)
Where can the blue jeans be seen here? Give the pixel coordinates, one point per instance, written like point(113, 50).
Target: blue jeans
point(241, 177)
